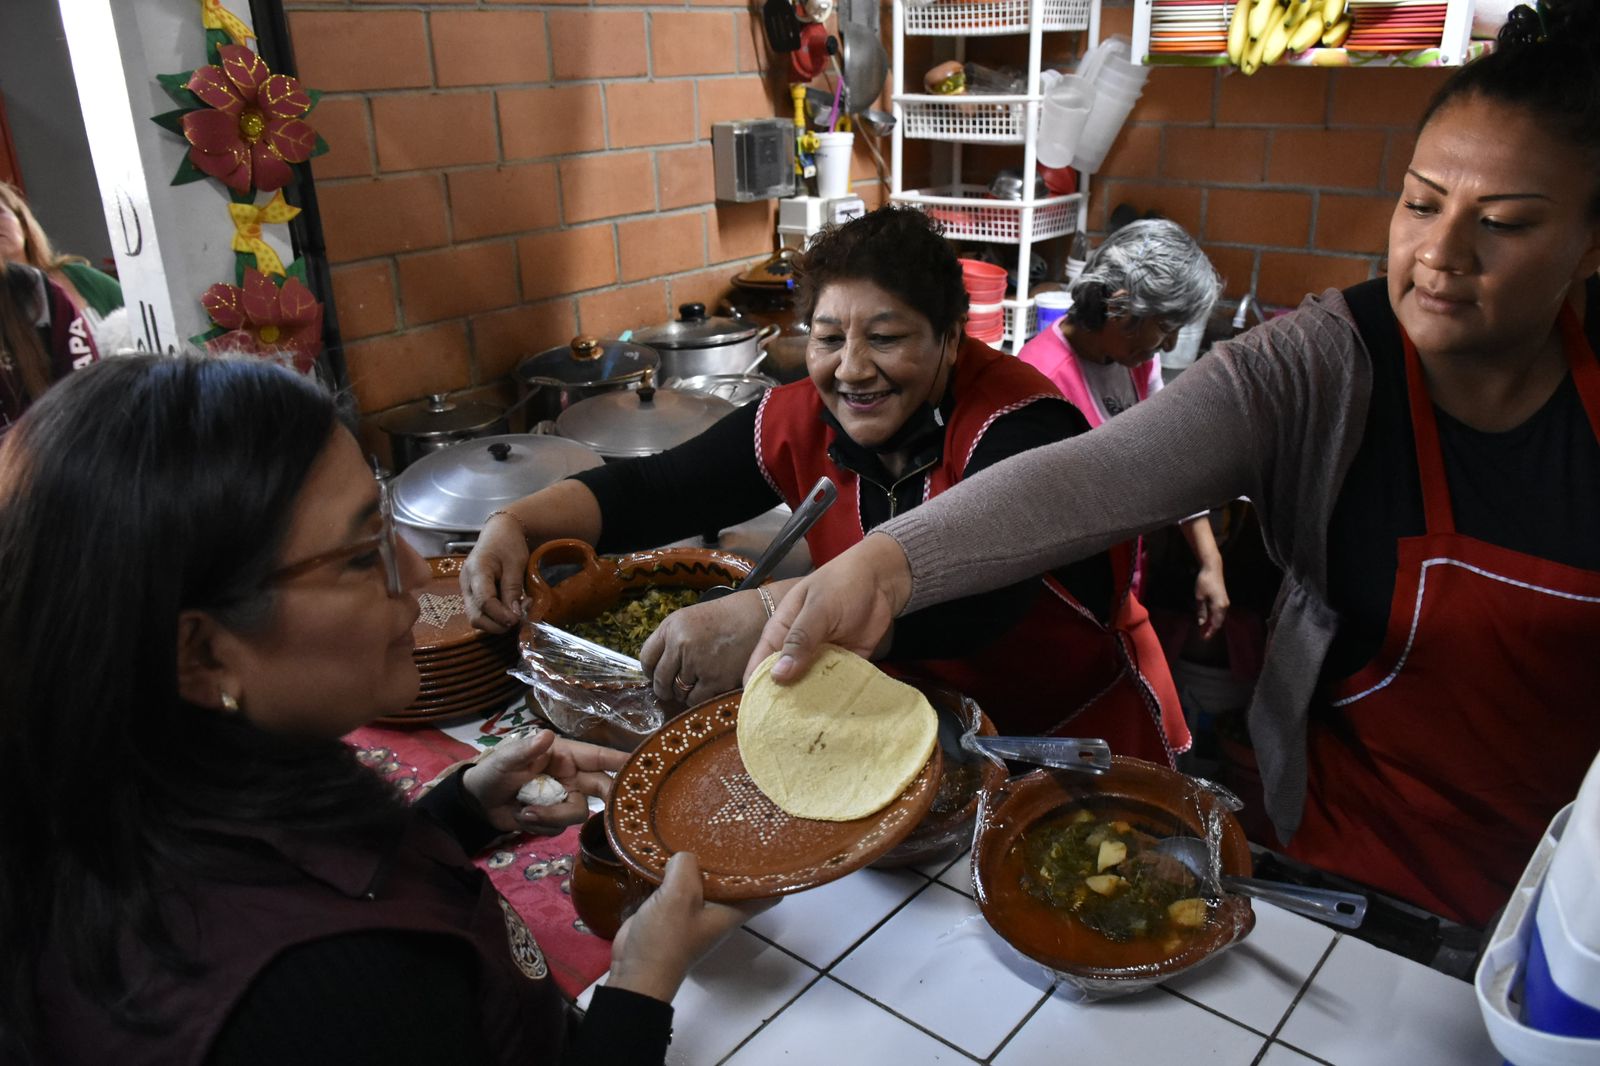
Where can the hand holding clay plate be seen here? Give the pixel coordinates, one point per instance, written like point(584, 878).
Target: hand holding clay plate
point(687, 789)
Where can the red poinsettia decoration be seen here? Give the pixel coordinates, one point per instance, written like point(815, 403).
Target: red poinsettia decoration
point(252, 130)
point(264, 320)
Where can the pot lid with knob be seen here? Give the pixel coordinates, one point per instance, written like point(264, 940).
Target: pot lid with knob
point(642, 421)
point(456, 488)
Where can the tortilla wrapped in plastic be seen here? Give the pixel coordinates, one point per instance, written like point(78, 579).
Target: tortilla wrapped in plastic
point(587, 691)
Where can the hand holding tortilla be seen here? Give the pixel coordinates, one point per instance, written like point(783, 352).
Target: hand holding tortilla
point(839, 745)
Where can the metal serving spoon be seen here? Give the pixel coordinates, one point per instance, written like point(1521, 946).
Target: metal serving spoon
point(817, 502)
point(1344, 909)
point(1092, 756)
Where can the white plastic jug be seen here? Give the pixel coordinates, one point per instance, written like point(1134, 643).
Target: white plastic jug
point(1538, 984)
point(1061, 118)
point(1118, 83)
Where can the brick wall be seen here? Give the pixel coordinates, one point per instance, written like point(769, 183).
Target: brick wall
point(504, 175)
point(1287, 178)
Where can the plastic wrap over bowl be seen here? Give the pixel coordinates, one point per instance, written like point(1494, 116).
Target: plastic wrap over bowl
point(1153, 798)
point(617, 709)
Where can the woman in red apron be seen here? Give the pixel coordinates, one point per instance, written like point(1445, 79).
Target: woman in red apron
point(1448, 751)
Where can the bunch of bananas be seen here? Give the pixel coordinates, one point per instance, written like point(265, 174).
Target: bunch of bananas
point(1261, 31)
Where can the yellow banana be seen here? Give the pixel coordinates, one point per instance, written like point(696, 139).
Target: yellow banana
point(1237, 37)
point(1308, 33)
point(1259, 16)
point(1298, 9)
point(1277, 38)
point(1252, 56)
point(1332, 11)
point(1336, 34)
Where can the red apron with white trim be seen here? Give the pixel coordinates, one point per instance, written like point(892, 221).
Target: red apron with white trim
point(1448, 754)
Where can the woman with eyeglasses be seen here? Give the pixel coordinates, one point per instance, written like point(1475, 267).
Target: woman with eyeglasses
point(203, 595)
point(1143, 284)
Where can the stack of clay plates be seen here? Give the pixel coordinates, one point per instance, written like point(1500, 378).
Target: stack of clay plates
point(463, 669)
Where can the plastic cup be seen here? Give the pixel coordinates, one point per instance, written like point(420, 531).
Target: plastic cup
point(833, 164)
point(1062, 116)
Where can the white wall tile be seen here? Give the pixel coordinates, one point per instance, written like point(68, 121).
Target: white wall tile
point(821, 924)
point(1256, 980)
point(1368, 1007)
point(1145, 1029)
point(833, 1025)
point(938, 963)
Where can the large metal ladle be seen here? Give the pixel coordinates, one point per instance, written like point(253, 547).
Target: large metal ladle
point(1344, 909)
point(817, 501)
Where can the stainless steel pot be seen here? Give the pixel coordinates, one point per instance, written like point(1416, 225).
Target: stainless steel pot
point(737, 389)
point(643, 421)
point(696, 343)
point(442, 500)
point(437, 422)
point(559, 377)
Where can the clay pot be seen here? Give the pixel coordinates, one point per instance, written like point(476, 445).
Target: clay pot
point(604, 892)
point(1156, 799)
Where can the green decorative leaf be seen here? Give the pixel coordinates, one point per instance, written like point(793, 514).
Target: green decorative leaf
point(320, 149)
point(216, 39)
point(199, 339)
point(188, 172)
point(316, 98)
point(171, 121)
point(296, 270)
point(177, 87)
point(247, 197)
point(241, 262)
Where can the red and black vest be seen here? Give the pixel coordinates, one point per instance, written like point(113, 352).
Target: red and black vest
point(424, 884)
point(1058, 670)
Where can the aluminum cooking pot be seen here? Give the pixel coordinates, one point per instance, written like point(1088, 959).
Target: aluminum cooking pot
point(442, 500)
point(437, 422)
point(696, 343)
point(642, 421)
point(586, 367)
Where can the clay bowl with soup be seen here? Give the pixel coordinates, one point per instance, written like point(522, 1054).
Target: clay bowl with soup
point(615, 601)
point(1064, 873)
point(946, 830)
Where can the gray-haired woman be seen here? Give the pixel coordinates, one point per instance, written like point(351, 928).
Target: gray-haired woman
point(1139, 288)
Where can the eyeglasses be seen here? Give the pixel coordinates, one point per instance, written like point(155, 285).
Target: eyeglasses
point(385, 543)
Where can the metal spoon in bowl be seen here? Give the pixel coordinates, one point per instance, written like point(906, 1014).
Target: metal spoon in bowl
point(1090, 755)
point(817, 501)
point(1344, 909)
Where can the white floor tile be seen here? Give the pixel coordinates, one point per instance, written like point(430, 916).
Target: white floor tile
point(958, 875)
point(1281, 1055)
point(1368, 1007)
point(1148, 1028)
point(822, 924)
point(938, 963)
point(728, 996)
point(831, 1024)
point(1255, 981)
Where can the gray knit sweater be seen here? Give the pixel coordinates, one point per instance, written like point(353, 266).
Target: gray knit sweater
point(1275, 415)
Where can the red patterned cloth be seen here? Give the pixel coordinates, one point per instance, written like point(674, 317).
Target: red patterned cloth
point(534, 874)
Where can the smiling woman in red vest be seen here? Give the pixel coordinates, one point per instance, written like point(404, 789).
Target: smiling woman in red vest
point(899, 406)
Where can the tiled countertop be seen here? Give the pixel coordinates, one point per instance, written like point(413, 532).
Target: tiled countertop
point(899, 967)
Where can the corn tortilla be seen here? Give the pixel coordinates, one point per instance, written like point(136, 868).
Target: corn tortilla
point(837, 745)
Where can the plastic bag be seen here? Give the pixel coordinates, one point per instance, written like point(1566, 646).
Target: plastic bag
point(1201, 808)
point(587, 691)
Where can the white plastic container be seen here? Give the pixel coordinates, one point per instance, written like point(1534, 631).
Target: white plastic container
point(1118, 83)
point(833, 163)
point(1052, 305)
point(1062, 117)
point(1539, 981)
point(1187, 348)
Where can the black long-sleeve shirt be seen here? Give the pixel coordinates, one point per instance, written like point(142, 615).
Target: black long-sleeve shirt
point(382, 997)
point(714, 481)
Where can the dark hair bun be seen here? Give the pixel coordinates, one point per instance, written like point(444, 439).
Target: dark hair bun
point(1560, 24)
